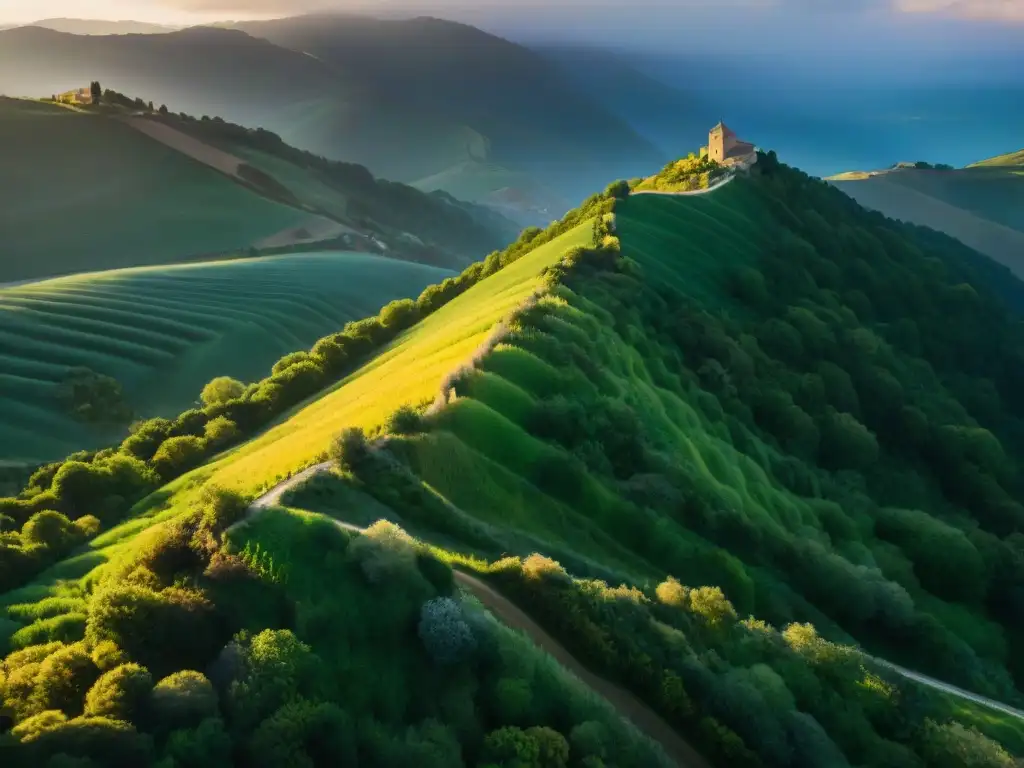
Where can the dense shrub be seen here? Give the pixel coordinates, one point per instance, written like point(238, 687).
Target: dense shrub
point(120, 694)
point(445, 635)
point(221, 390)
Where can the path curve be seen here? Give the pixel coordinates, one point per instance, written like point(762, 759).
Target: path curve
point(681, 193)
point(953, 690)
point(625, 703)
point(628, 705)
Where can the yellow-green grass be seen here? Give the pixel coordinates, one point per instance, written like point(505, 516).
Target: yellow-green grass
point(1004, 728)
point(478, 456)
point(163, 332)
point(409, 371)
point(82, 192)
point(1002, 161)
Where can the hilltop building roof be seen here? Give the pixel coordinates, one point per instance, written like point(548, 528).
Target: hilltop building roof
point(725, 129)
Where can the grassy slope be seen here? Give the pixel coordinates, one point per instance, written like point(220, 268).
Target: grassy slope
point(87, 193)
point(1010, 159)
point(992, 193)
point(479, 455)
point(481, 436)
point(409, 371)
point(202, 320)
point(954, 207)
point(300, 182)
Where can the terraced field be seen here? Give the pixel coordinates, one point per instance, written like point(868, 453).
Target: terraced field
point(86, 192)
point(163, 332)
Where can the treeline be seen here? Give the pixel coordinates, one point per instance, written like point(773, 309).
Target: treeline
point(742, 692)
point(804, 482)
point(900, 364)
point(105, 484)
point(285, 643)
point(894, 436)
point(689, 174)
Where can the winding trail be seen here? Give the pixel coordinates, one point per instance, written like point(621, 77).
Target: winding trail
point(628, 705)
point(692, 193)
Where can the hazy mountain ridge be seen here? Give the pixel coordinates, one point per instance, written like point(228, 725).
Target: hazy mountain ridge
point(674, 120)
point(100, 27)
point(533, 118)
point(361, 90)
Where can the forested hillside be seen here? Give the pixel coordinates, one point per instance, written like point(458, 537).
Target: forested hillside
point(711, 443)
point(981, 205)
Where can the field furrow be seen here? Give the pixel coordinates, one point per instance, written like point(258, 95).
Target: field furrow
point(164, 332)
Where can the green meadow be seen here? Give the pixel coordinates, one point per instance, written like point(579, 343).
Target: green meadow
point(163, 332)
point(712, 412)
point(85, 192)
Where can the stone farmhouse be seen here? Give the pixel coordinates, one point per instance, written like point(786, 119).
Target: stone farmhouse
point(81, 96)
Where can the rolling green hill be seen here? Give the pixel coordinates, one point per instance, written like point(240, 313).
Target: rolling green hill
point(1011, 159)
point(84, 192)
point(163, 332)
point(531, 118)
point(981, 205)
point(101, 27)
point(406, 99)
point(457, 231)
point(113, 177)
point(754, 428)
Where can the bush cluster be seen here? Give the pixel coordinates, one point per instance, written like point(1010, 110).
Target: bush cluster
point(106, 484)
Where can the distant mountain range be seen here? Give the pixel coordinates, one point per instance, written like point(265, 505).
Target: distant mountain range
point(412, 100)
point(674, 120)
point(101, 27)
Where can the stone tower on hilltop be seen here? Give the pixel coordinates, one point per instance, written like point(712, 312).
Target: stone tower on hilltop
point(724, 148)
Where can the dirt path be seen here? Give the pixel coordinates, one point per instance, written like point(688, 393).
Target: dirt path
point(627, 705)
point(313, 229)
point(217, 159)
point(931, 682)
point(693, 193)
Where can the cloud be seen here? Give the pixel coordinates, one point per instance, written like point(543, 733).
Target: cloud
point(991, 10)
point(249, 7)
point(986, 10)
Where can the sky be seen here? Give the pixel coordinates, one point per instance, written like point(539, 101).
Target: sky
point(942, 26)
point(197, 11)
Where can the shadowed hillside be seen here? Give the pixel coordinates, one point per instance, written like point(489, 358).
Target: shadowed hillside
point(87, 192)
point(89, 188)
point(654, 419)
point(406, 99)
point(981, 205)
